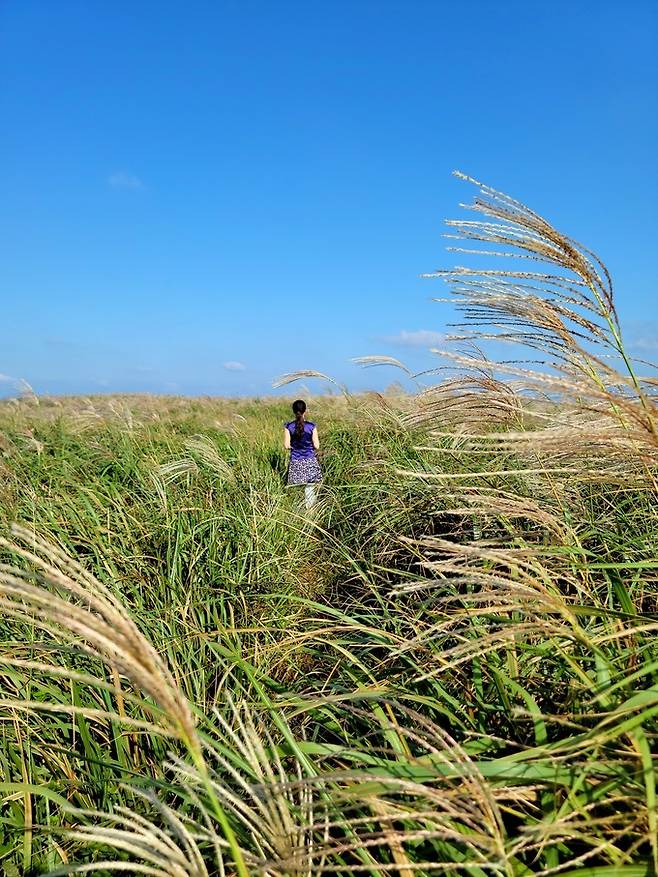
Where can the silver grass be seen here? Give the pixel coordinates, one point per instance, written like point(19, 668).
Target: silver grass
point(65, 601)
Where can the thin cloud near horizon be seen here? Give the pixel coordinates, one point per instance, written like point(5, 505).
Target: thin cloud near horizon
point(416, 338)
point(643, 343)
point(125, 180)
point(234, 366)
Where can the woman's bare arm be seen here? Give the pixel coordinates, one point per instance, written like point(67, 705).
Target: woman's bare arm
point(316, 440)
point(286, 438)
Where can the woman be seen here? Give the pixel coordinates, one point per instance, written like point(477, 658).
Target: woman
point(300, 437)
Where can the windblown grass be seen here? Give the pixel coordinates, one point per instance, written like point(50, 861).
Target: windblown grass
point(450, 668)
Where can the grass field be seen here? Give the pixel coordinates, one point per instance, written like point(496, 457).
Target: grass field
point(449, 666)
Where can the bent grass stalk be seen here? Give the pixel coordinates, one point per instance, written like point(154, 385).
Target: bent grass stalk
point(98, 624)
point(409, 700)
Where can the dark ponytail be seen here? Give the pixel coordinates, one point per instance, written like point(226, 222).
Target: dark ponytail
point(298, 409)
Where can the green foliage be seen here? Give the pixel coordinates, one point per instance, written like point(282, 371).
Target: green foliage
point(375, 679)
point(449, 665)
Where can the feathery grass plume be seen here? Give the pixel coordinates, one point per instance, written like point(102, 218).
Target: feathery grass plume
point(469, 402)
point(273, 815)
point(124, 415)
point(156, 851)
point(169, 472)
point(502, 605)
point(477, 707)
point(64, 600)
point(537, 691)
point(202, 447)
point(583, 423)
point(309, 807)
point(544, 396)
point(568, 316)
point(409, 788)
point(26, 393)
point(309, 373)
point(368, 361)
point(601, 421)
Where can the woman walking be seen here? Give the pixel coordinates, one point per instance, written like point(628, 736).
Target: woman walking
point(300, 437)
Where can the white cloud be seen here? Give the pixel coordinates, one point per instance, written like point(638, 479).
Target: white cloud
point(644, 343)
point(124, 180)
point(418, 338)
point(641, 336)
point(233, 366)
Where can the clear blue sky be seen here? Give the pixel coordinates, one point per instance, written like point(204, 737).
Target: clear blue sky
point(189, 185)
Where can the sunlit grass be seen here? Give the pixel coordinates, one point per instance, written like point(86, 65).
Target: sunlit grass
point(450, 666)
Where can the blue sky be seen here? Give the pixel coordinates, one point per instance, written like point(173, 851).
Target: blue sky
point(199, 197)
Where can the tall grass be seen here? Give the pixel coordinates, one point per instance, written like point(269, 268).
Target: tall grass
point(450, 668)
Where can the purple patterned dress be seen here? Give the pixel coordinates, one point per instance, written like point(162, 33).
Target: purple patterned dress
point(304, 467)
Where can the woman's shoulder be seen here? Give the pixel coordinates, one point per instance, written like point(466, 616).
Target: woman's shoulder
point(310, 424)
